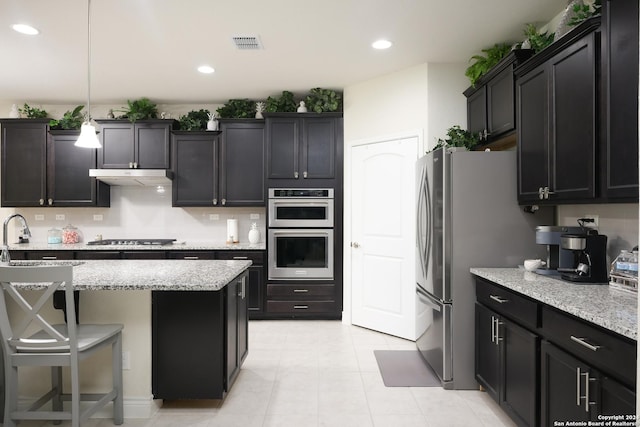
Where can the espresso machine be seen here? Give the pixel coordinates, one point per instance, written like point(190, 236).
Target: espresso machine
point(557, 257)
point(589, 251)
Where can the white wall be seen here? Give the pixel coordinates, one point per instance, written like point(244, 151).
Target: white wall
point(423, 100)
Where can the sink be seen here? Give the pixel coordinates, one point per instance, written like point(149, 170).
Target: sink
point(35, 263)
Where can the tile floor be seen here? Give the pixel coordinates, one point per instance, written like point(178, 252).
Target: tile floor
point(320, 374)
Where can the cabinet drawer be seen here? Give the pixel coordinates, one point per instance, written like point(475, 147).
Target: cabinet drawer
point(192, 255)
point(508, 303)
point(300, 306)
point(98, 255)
point(256, 256)
point(300, 291)
point(50, 255)
point(608, 352)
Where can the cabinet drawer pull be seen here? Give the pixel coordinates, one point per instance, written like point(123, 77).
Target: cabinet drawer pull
point(48, 258)
point(295, 175)
point(584, 343)
point(224, 202)
point(240, 257)
point(578, 374)
point(300, 291)
point(215, 201)
point(191, 257)
point(305, 174)
point(498, 299)
point(41, 201)
point(50, 202)
point(300, 307)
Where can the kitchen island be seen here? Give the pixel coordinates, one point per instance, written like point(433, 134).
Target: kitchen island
point(185, 334)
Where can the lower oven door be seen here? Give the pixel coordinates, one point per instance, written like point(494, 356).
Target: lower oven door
point(300, 254)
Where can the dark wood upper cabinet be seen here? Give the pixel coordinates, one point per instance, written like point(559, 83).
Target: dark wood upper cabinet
point(491, 102)
point(195, 167)
point(620, 100)
point(46, 169)
point(68, 180)
point(241, 169)
point(144, 144)
point(24, 162)
point(223, 168)
point(303, 147)
point(557, 119)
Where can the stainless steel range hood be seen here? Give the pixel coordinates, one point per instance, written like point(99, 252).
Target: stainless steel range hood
point(137, 177)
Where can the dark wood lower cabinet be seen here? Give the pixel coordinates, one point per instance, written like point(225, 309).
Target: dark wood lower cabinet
point(199, 341)
point(532, 359)
point(574, 390)
point(507, 364)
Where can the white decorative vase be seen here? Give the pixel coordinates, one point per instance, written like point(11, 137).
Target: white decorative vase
point(254, 234)
point(212, 124)
point(302, 108)
point(14, 113)
point(259, 109)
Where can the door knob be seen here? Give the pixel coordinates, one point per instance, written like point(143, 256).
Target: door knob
point(355, 245)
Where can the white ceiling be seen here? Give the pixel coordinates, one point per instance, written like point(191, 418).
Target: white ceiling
point(152, 47)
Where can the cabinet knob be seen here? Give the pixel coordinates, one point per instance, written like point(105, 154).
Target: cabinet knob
point(547, 192)
point(224, 202)
point(304, 174)
point(130, 165)
point(41, 201)
point(295, 175)
point(135, 165)
point(50, 202)
point(540, 193)
point(215, 201)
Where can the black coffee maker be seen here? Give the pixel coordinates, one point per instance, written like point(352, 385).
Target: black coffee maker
point(590, 257)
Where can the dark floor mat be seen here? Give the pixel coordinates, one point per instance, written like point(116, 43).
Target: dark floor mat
point(405, 368)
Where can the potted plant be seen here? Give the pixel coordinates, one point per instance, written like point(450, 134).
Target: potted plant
point(140, 109)
point(458, 137)
point(238, 109)
point(32, 112)
point(323, 100)
point(484, 63)
point(71, 120)
point(282, 104)
point(194, 120)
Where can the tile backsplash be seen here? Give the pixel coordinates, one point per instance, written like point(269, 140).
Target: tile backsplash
point(142, 212)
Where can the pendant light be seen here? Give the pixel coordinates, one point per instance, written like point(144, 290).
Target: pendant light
point(88, 137)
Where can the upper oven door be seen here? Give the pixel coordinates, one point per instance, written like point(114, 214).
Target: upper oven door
point(301, 213)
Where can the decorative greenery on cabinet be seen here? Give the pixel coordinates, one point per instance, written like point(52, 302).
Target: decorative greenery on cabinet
point(71, 120)
point(458, 137)
point(140, 109)
point(32, 112)
point(194, 120)
point(323, 100)
point(282, 104)
point(238, 109)
point(483, 63)
point(537, 40)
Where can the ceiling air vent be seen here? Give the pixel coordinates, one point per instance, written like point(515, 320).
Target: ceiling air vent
point(247, 42)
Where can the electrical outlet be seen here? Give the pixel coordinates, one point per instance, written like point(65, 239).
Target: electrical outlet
point(593, 224)
point(39, 217)
point(97, 217)
point(126, 360)
point(214, 217)
point(254, 216)
point(60, 217)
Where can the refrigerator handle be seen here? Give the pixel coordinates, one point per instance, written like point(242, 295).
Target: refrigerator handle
point(427, 206)
point(429, 300)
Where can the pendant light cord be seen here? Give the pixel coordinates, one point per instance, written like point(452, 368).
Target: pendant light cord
point(89, 62)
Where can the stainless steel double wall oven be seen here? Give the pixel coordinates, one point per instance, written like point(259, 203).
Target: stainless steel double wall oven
point(300, 234)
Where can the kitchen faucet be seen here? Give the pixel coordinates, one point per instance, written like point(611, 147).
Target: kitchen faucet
point(5, 258)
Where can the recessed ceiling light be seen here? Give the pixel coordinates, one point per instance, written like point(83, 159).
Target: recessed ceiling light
point(25, 29)
point(205, 69)
point(381, 44)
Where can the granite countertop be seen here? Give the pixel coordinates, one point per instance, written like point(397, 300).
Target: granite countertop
point(603, 305)
point(155, 275)
point(176, 246)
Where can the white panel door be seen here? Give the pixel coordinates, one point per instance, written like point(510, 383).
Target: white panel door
point(383, 236)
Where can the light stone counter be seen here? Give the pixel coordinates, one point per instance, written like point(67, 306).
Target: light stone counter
point(603, 305)
point(176, 246)
point(155, 275)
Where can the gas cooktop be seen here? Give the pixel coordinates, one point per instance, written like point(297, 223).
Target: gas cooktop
point(150, 242)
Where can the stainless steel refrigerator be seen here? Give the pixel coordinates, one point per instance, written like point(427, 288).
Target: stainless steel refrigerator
point(467, 216)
